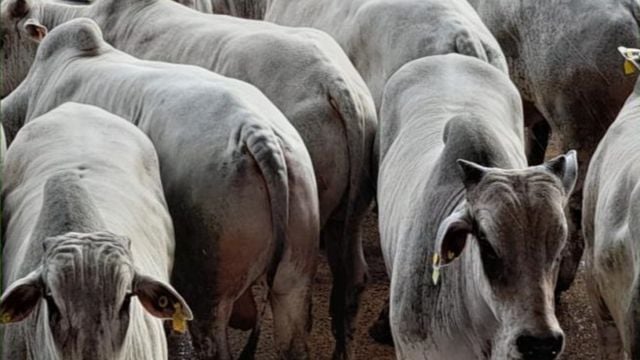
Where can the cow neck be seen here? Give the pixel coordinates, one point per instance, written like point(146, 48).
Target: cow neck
point(471, 275)
point(53, 14)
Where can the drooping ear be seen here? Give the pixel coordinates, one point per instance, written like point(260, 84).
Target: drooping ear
point(21, 298)
point(36, 31)
point(471, 172)
point(565, 167)
point(451, 238)
point(18, 8)
point(161, 300)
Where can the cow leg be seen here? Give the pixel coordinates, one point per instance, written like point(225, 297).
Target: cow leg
point(380, 331)
point(538, 131)
point(349, 270)
point(292, 318)
point(210, 337)
point(220, 327)
point(610, 342)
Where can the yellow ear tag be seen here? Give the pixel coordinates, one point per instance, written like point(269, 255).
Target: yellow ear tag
point(5, 318)
point(179, 319)
point(435, 276)
point(629, 68)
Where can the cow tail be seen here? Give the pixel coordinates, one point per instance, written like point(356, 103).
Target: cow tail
point(353, 120)
point(266, 150)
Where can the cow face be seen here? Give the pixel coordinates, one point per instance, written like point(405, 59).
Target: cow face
point(21, 34)
point(515, 222)
point(87, 293)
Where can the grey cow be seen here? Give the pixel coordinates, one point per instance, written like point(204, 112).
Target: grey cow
point(471, 237)
point(88, 241)
point(562, 57)
point(303, 72)
point(238, 180)
point(379, 36)
point(611, 225)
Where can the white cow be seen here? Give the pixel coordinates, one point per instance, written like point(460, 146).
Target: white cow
point(379, 36)
point(454, 190)
point(88, 247)
point(303, 72)
point(238, 180)
point(611, 225)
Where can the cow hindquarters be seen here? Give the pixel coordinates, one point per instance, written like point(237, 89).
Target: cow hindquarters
point(290, 294)
point(609, 339)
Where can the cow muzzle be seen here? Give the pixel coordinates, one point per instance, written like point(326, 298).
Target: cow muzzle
point(547, 346)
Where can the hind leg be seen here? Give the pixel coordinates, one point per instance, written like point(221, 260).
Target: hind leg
point(609, 339)
point(291, 307)
point(349, 271)
point(210, 337)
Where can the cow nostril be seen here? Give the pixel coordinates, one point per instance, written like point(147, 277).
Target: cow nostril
point(540, 348)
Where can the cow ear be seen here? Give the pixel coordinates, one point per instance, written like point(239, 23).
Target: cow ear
point(565, 167)
point(161, 300)
point(471, 172)
point(36, 31)
point(452, 236)
point(21, 298)
point(451, 240)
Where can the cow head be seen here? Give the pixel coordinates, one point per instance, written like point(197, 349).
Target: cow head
point(87, 292)
point(514, 228)
point(21, 32)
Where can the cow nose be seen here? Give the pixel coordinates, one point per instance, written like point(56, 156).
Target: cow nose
point(540, 348)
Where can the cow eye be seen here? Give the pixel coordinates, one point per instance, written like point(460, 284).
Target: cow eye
point(124, 309)
point(491, 262)
point(54, 311)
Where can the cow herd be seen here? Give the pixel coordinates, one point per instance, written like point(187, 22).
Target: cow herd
point(165, 158)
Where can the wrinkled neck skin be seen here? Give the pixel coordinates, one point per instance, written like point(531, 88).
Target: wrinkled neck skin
point(52, 14)
point(13, 110)
point(16, 67)
point(45, 348)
